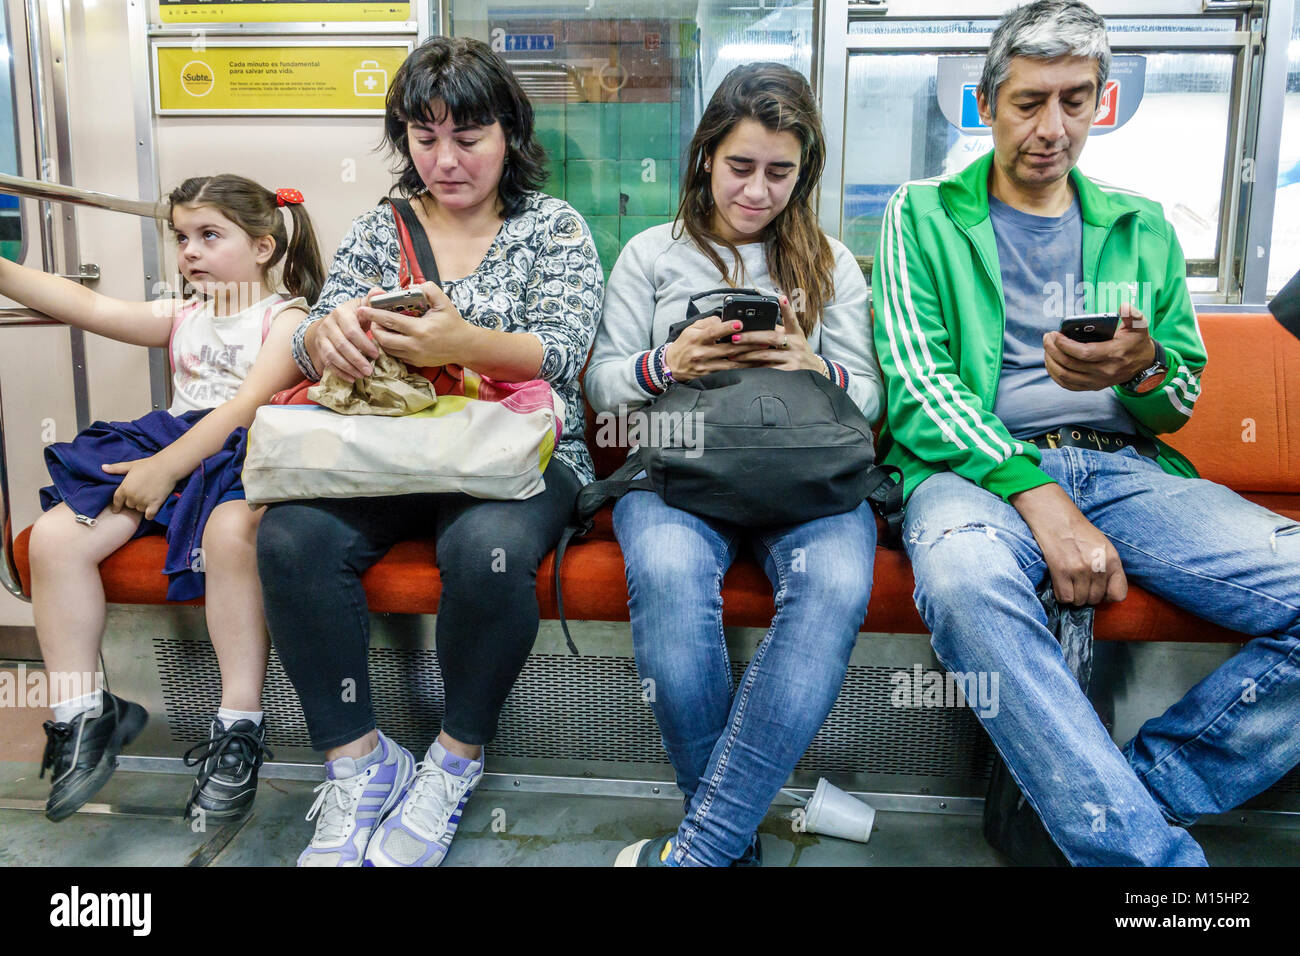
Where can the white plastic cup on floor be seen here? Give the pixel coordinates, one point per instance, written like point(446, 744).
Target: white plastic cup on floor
point(832, 812)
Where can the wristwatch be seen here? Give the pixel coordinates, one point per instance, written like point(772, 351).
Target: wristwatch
point(1150, 377)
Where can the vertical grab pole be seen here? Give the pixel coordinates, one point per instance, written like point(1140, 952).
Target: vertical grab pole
point(46, 171)
point(1265, 152)
point(830, 70)
point(8, 567)
point(146, 168)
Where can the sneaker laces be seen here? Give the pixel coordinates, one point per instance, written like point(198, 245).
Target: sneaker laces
point(433, 797)
point(56, 738)
point(336, 804)
point(249, 746)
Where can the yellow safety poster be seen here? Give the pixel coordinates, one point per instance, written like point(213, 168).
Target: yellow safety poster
point(282, 11)
point(280, 78)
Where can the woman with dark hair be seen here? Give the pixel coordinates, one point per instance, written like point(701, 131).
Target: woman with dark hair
point(746, 219)
point(519, 299)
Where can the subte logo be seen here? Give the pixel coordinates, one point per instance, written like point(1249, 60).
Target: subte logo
point(197, 78)
point(77, 909)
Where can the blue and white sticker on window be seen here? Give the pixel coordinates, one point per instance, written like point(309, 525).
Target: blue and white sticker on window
point(958, 79)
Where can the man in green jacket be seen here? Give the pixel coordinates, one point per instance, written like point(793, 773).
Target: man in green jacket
point(1030, 457)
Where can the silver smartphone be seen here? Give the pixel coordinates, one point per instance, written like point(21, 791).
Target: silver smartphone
point(403, 301)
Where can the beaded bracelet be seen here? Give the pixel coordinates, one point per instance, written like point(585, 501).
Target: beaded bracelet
point(663, 362)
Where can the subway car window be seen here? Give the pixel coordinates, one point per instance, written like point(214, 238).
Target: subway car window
point(892, 98)
point(11, 224)
point(617, 97)
point(986, 26)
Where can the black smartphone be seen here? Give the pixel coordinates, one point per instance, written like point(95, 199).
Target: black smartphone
point(1090, 328)
point(757, 313)
point(404, 301)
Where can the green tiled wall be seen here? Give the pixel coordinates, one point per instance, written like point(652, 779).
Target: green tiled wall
point(616, 163)
point(646, 184)
point(591, 130)
point(548, 120)
point(555, 179)
point(629, 226)
point(646, 131)
point(605, 230)
point(591, 186)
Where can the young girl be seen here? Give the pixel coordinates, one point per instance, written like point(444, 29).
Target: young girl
point(120, 480)
point(746, 219)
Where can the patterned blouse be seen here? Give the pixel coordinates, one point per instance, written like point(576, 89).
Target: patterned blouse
point(541, 275)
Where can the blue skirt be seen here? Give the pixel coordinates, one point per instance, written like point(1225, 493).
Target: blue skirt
point(80, 482)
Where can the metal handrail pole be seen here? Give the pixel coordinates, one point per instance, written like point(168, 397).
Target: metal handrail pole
point(8, 567)
point(54, 192)
point(25, 318)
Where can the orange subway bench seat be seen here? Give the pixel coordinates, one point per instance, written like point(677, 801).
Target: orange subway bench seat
point(1245, 433)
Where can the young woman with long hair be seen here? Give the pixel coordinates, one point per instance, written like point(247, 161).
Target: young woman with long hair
point(746, 219)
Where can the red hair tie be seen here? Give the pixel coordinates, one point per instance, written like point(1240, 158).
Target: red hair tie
point(287, 197)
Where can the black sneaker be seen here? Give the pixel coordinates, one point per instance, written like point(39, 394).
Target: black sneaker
point(82, 754)
point(227, 780)
point(752, 856)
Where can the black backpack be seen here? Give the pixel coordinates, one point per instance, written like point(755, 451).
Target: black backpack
point(755, 447)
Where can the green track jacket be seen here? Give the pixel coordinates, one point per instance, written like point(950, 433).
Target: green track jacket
point(940, 318)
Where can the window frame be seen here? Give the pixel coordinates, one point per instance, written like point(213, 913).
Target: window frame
point(1255, 108)
point(23, 224)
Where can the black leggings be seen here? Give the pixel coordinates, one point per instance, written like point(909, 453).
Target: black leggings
point(311, 555)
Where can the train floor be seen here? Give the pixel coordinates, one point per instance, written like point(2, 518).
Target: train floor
point(135, 821)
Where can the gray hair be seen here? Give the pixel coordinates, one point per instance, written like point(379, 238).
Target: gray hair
point(1045, 30)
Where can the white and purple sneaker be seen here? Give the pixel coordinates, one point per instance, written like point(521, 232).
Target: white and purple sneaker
point(349, 805)
point(419, 831)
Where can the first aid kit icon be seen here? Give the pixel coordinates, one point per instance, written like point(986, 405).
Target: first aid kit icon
point(370, 80)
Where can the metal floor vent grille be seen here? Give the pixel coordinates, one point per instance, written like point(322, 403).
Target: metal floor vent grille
point(591, 708)
point(866, 732)
point(587, 708)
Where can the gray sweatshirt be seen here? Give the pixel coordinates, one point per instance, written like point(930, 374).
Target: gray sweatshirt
point(647, 293)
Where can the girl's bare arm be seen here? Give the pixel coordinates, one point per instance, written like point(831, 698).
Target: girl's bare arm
point(138, 323)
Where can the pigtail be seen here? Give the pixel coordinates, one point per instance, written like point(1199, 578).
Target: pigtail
point(304, 271)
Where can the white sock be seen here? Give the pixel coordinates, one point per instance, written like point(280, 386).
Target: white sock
point(228, 716)
point(67, 711)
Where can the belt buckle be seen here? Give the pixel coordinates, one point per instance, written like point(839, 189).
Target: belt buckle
point(1053, 439)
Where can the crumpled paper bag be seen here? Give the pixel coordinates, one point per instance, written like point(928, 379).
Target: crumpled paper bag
point(392, 389)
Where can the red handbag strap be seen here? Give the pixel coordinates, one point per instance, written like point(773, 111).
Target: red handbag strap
point(410, 271)
point(417, 262)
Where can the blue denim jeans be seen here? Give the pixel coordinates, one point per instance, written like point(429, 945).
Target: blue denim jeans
point(732, 748)
point(1194, 543)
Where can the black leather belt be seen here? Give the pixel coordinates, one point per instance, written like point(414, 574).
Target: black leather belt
point(1080, 436)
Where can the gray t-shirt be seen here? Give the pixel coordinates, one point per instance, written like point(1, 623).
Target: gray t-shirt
point(1041, 258)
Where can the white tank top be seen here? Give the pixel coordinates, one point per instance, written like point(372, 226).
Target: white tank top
point(211, 356)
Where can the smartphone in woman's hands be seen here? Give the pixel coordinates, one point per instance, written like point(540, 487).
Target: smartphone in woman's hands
point(403, 301)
